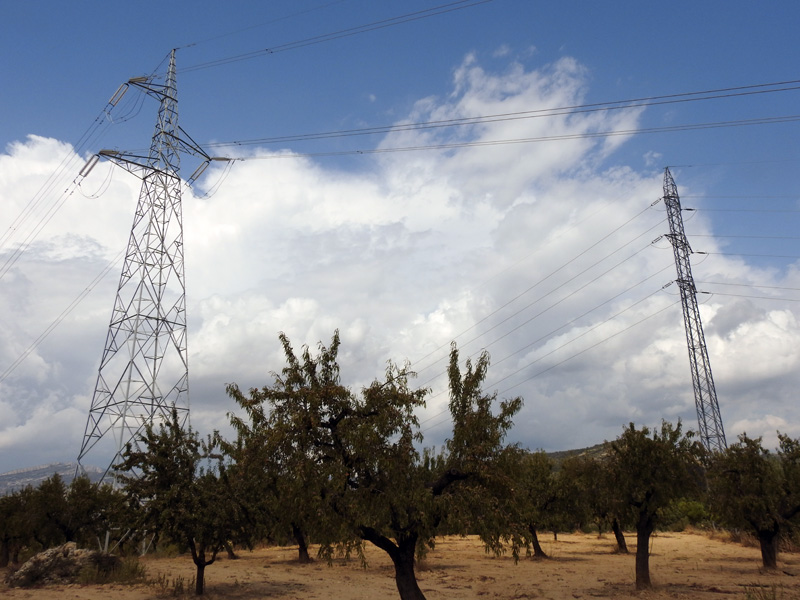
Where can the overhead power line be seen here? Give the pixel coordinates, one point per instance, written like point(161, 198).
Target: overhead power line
point(714, 94)
point(531, 288)
point(752, 285)
point(343, 33)
point(529, 140)
point(752, 297)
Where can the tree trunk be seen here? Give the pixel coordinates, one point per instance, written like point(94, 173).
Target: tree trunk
point(199, 582)
point(199, 558)
point(644, 528)
point(768, 539)
point(302, 545)
point(5, 554)
point(404, 575)
point(622, 545)
point(402, 555)
point(537, 547)
point(230, 552)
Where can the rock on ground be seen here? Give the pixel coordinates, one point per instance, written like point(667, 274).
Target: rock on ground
point(59, 565)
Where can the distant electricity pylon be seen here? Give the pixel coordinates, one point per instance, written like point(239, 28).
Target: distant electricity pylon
point(144, 369)
point(709, 420)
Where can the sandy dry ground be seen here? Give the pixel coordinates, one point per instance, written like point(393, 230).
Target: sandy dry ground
point(683, 565)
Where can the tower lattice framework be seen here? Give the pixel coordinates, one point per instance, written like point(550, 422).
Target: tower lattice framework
point(144, 370)
point(712, 435)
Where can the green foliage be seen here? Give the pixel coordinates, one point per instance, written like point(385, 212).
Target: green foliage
point(650, 470)
point(541, 497)
point(276, 465)
point(162, 475)
point(15, 531)
point(589, 487)
point(682, 513)
point(753, 488)
point(38, 518)
point(362, 477)
point(126, 571)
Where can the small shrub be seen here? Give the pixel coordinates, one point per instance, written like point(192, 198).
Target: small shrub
point(745, 538)
point(773, 592)
point(178, 587)
point(168, 551)
point(108, 568)
point(684, 513)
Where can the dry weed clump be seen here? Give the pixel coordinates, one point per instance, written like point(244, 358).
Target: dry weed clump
point(734, 536)
point(173, 587)
point(773, 592)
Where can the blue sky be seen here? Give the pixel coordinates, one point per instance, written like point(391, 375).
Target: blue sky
point(404, 251)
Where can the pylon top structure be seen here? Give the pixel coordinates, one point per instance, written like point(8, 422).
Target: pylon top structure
point(712, 435)
point(144, 369)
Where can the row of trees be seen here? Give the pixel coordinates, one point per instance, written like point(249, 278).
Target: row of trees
point(54, 513)
point(311, 461)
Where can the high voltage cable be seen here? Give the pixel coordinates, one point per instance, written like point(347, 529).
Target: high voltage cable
point(560, 300)
point(747, 237)
point(608, 319)
point(343, 33)
point(573, 320)
point(550, 138)
point(603, 341)
point(58, 320)
point(741, 197)
point(752, 297)
point(748, 254)
point(558, 364)
point(532, 287)
point(752, 285)
point(528, 114)
point(42, 202)
point(570, 228)
point(277, 20)
point(758, 210)
point(571, 294)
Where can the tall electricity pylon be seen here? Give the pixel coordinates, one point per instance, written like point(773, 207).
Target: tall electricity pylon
point(144, 369)
point(705, 395)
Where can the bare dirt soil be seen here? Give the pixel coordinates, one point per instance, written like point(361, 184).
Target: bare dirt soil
point(683, 565)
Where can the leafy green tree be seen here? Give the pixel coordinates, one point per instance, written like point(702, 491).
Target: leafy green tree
point(177, 497)
point(93, 509)
point(368, 480)
point(278, 447)
point(536, 498)
point(650, 469)
point(750, 487)
point(592, 478)
point(15, 532)
point(48, 513)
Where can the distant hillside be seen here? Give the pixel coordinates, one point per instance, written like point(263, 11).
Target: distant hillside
point(596, 451)
point(33, 476)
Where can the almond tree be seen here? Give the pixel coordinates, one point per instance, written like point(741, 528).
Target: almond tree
point(750, 487)
point(650, 470)
point(370, 482)
point(15, 528)
point(593, 478)
point(178, 498)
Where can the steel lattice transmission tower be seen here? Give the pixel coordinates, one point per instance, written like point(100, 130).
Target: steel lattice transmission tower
point(144, 370)
point(709, 420)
